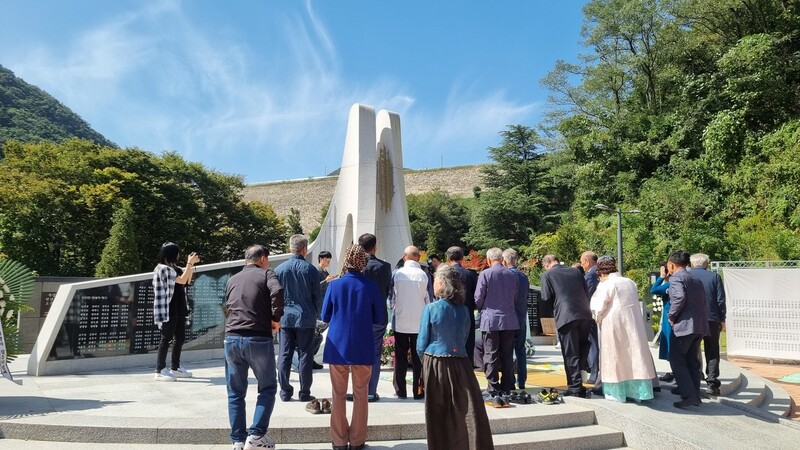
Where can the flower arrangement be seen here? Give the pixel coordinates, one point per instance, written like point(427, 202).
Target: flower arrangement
point(387, 353)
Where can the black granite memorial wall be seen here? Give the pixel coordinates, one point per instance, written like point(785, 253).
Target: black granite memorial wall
point(117, 319)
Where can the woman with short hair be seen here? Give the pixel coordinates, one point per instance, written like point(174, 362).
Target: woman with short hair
point(625, 360)
point(455, 414)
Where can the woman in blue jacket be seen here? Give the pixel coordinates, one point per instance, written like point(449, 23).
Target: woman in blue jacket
point(455, 414)
point(352, 305)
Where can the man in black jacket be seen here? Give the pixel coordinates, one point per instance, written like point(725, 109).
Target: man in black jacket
point(254, 304)
point(565, 287)
point(380, 272)
point(469, 281)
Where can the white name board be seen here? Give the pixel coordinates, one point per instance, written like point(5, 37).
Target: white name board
point(763, 317)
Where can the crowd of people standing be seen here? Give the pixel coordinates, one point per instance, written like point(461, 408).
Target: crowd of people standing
point(434, 315)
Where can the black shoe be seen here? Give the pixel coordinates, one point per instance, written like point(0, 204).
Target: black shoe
point(398, 395)
point(317, 366)
point(675, 391)
point(373, 398)
point(713, 391)
point(349, 397)
point(341, 447)
point(419, 396)
point(568, 393)
point(667, 377)
point(358, 447)
point(685, 403)
point(596, 391)
point(307, 398)
point(657, 389)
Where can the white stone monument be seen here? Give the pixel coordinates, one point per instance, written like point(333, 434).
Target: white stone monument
point(370, 195)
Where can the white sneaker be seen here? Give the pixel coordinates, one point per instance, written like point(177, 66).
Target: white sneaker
point(238, 446)
point(259, 442)
point(165, 375)
point(181, 373)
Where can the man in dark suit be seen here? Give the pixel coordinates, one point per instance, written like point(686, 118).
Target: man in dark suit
point(380, 272)
point(469, 280)
point(564, 286)
point(689, 320)
point(715, 308)
point(589, 266)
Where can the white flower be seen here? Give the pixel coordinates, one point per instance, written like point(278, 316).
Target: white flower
point(11, 299)
point(2, 305)
point(9, 314)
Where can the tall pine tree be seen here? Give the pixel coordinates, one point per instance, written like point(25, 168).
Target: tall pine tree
point(121, 254)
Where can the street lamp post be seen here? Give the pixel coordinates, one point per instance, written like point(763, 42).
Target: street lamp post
point(619, 230)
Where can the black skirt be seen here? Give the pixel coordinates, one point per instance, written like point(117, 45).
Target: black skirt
point(455, 414)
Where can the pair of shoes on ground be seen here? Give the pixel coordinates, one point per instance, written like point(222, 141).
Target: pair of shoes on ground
point(172, 375)
point(262, 442)
point(583, 393)
point(371, 398)
point(549, 397)
point(319, 407)
point(522, 398)
point(496, 399)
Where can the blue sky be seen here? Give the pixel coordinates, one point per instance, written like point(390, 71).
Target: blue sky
point(263, 88)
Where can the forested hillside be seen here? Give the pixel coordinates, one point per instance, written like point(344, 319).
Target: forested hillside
point(28, 114)
point(687, 110)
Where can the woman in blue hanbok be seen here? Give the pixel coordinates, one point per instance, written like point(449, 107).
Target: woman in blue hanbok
point(661, 288)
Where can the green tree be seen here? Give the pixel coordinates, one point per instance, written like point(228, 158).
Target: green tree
point(437, 220)
point(121, 253)
point(58, 223)
point(293, 221)
point(321, 220)
point(520, 198)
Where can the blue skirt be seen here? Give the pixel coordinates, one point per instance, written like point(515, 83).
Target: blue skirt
point(666, 332)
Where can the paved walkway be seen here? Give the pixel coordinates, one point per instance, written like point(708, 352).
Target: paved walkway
point(195, 410)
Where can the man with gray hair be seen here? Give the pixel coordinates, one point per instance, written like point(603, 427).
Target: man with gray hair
point(495, 297)
point(510, 257)
point(715, 307)
point(302, 307)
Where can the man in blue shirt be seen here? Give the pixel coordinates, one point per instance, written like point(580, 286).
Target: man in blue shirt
point(302, 306)
point(495, 297)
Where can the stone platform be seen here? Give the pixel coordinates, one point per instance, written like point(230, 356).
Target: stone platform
point(127, 410)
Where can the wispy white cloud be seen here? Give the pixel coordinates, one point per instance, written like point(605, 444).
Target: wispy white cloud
point(155, 79)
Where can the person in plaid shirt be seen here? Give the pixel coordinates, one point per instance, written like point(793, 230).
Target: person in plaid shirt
point(170, 308)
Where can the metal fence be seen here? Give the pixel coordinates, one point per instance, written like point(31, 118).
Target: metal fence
point(720, 265)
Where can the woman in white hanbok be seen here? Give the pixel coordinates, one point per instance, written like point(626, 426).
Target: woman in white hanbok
point(626, 364)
